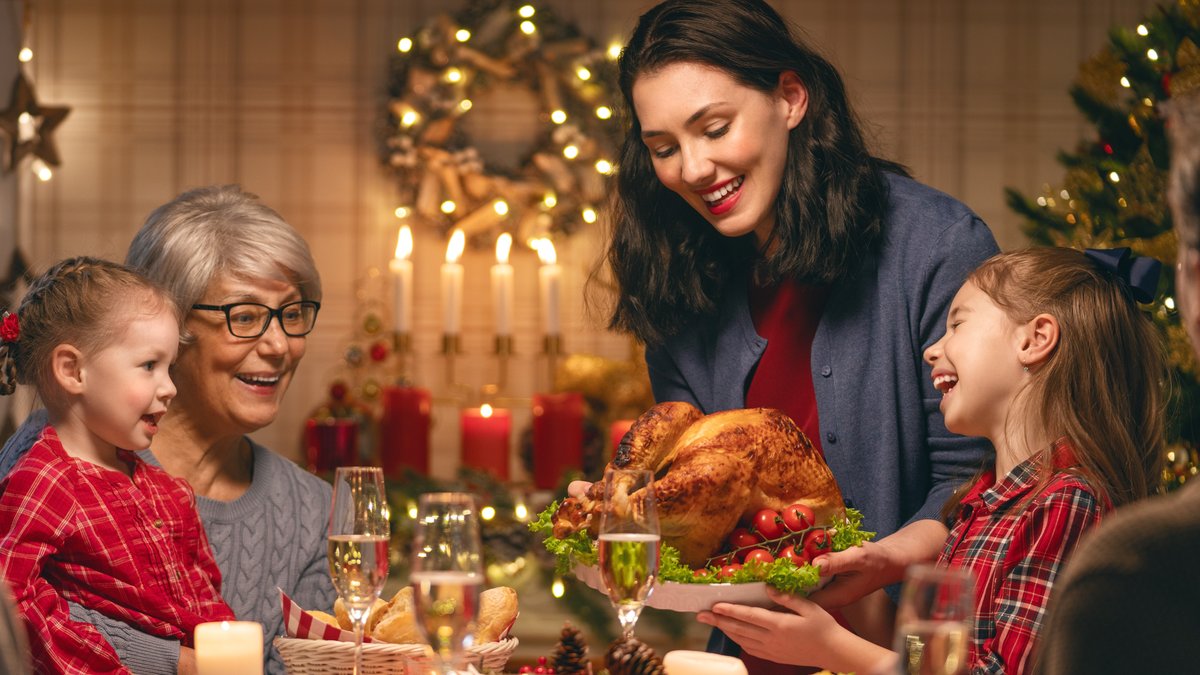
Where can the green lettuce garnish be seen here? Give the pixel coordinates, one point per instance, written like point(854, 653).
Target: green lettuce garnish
point(581, 549)
point(576, 548)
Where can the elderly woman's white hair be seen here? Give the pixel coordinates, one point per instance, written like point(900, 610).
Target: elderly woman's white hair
point(203, 233)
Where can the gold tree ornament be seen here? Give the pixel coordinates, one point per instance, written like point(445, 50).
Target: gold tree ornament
point(1187, 59)
point(30, 126)
point(546, 76)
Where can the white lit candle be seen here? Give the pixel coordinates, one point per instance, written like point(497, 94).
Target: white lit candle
point(687, 662)
point(502, 285)
point(549, 282)
point(402, 280)
point(229, 648)
point(452, 285)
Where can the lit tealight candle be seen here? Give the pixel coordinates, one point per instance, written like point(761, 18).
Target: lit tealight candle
point(402, 279)
point(549, 282)
point(502, 285)
point(452, 285)
point(687, 662)
point(229, 648)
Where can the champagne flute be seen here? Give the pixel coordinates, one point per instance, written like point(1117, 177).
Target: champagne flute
point(629, 542)
point(447, 573)
point(358, 544)
point(934, 619)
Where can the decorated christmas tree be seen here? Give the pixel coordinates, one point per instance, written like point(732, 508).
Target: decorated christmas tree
point(1113, 193)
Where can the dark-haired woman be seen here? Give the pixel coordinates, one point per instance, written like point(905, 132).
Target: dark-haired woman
point(766, 258)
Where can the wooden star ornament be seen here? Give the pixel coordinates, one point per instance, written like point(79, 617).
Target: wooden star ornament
point(45, 120)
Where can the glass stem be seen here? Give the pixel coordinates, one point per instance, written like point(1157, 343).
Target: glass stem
point(628, 616)
point(360, 621)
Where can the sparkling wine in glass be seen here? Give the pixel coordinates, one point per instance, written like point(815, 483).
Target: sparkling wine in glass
point(629, 542)
point(358, 544)
point(934, 619)
point(447, 574)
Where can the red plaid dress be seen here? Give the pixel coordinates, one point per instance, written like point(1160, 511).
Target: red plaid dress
point(134, 550)
point(1016, 550)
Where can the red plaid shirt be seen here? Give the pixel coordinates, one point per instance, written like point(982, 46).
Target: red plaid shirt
point(1016, 550)
point(134, 550)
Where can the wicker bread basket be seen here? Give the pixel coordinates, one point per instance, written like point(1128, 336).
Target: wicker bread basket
point(333, 657)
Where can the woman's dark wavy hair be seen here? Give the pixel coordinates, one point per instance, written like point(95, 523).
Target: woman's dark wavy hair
point(670, 266)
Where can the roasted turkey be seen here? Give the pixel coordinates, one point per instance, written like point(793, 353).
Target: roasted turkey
point(712, 471)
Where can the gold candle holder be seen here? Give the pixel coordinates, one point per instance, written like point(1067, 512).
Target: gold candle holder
point(402, 342)
point(504, 345)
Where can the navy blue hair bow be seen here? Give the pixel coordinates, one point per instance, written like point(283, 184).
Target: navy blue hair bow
point(1140, 273)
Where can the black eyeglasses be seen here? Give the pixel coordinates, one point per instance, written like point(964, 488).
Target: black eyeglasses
point(251, 319)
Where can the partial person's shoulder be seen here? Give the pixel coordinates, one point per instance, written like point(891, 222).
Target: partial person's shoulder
point(1170, 521)
point(928, 229)
point(40, 476)
point(286, 474)
point(916, 205)
point(43, 462)
point(1069, 486)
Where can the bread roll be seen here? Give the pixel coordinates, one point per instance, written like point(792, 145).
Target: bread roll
point(343, 617)
point(497, 611)
point(397, 623)
point(325, 617)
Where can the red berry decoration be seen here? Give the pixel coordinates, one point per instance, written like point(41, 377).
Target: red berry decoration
point(526, 669)
point(338, 391)
point(379, 351)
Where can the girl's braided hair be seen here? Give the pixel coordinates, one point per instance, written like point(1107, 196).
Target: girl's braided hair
point(82, 301)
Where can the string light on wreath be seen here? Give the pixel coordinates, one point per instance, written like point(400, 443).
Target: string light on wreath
point(441, 72)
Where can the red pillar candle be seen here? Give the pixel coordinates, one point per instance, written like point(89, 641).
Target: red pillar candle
point(404, 430)
point(557, 437)
point(330, 442)
point(615, 433)
point(485, 432)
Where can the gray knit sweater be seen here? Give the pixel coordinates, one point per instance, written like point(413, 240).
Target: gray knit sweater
point(274, 536)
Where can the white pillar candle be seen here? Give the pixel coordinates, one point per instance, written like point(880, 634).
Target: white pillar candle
point(402, 280)
point(229, 648)
point(550, 283)
point(687, 662)
point(452, 285)
point(502, 286)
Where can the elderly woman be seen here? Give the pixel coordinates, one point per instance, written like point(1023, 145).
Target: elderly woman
point(253, 293)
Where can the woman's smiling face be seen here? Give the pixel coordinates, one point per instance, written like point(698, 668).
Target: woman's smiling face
point(717, 143)
point(236, 384)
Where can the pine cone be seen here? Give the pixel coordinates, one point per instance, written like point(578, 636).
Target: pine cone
point(570, 657)
point(633, 657)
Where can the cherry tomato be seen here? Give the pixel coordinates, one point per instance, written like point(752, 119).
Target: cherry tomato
point(742, 538)
point(768, 523)
point(700, 573)
point(729, 570)
point(797, 557)
point(721, 560)
point(817, 543)
point(798, 517)
point(762, 555)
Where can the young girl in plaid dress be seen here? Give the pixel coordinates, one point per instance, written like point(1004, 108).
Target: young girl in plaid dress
point(82, 518)
point(1047, 355)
